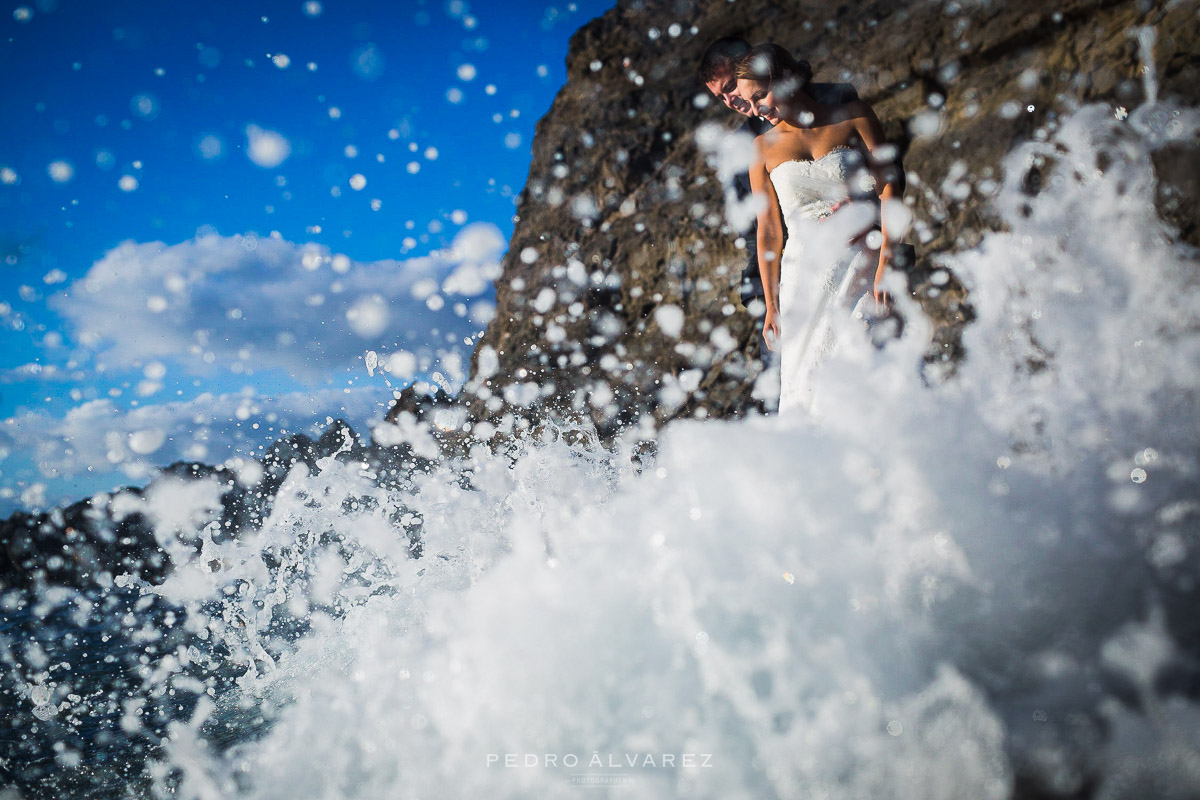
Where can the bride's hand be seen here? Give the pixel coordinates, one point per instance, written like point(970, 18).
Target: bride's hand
point(771, 328)
point(883, 301)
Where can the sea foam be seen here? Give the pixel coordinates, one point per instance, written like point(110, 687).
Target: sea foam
point(929, 591)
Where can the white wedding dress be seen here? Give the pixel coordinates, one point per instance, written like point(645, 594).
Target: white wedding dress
point(820, 275)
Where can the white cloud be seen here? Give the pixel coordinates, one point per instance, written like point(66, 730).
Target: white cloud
point(210, 428)
point(231, 307)
point(34, 371)
point(267, 303)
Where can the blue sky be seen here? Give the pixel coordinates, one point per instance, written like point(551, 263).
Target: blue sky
point(210, 213)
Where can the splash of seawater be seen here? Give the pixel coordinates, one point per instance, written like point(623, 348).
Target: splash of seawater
point(930, 592)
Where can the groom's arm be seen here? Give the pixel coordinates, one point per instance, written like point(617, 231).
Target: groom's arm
point(751, 288)
point(833, 94)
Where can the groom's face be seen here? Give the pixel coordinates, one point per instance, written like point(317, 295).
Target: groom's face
point(724, 88)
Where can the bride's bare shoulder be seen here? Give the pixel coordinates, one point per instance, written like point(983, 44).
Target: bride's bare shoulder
point(768, 145)
point(764, 141)
point(774, 136)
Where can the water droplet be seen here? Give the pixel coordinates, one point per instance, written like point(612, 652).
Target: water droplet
point(266, 148)
point(60, 171)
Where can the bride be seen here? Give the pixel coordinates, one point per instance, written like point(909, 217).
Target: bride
point(813, 161)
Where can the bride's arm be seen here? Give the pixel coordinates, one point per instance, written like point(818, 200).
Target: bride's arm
point(770, 244)
point(886, 170)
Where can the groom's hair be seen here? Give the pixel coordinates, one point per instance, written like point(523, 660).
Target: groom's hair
point(721, 56)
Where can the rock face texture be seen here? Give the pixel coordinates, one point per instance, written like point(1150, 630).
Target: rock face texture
point(618, 299)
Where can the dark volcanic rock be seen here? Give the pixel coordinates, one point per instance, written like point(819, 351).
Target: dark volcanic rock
point(621, 213)
point(418, 404)
point(71, 596)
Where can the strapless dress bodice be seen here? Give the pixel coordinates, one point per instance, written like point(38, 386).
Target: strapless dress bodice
point(810, 189)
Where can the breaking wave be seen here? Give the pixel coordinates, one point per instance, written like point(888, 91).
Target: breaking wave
point(964, 589)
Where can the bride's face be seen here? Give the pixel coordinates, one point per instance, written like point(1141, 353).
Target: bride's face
point(761, 98)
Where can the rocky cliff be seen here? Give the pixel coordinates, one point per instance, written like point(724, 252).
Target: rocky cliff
point(622, 214)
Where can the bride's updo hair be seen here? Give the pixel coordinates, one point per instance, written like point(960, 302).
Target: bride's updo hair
point(776, 66)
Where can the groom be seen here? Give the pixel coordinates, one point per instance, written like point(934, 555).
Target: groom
point(716, 72)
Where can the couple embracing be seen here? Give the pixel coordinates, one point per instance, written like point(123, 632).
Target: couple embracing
point(818, 150)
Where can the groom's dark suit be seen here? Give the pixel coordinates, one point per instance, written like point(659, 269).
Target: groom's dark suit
point(825, 93)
